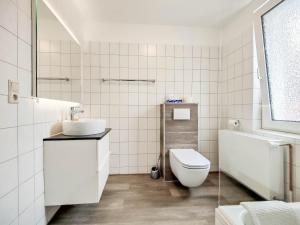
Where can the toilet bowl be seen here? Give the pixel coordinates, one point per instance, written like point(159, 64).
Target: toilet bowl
point(189, 166)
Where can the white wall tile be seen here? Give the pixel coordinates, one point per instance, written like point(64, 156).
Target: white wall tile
point(9, 207)
point(8, 116)
point(124, 49)
point(188, 51)
point(27, 216)
point(170, 51)
point(124, 161)
point(196, 51)
point(114, 48)
point(8, 176)
point(40, 218)
point(25, 111)
point(25, 139)
point(8, 46)
point(38, 159)
point(39, 184)
point(26, 195)
point(24, 55)
point(25, 6)
point(8, 16)
point(8, 144)
point(133, 49)
point(8, 72)
point(26, 166)
point(24, 26)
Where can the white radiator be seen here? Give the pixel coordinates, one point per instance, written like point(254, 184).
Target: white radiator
point(255, 161)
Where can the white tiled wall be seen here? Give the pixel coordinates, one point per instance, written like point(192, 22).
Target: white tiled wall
point(132, 109)
point(239, 92)
point(23, 125)
point(59, 59)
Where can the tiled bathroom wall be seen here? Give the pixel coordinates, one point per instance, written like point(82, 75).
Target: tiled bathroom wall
point(23, 125)
point(239, 91)
point(239, 88)
point(59, 59)
point(132, 108)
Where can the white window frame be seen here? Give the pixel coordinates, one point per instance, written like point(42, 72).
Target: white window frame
point(267, 122)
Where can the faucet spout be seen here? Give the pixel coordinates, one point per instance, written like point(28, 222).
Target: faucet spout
point(74, 111)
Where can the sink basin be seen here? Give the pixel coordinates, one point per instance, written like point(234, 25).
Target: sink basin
point(83, 127)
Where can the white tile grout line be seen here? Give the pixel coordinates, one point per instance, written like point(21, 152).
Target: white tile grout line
point(18, 144)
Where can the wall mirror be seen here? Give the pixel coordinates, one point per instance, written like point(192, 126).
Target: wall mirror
point(58, 58)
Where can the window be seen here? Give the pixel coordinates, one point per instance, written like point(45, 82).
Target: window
point(278, 47)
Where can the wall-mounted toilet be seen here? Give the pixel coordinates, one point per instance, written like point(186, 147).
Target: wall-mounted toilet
point(189, 166)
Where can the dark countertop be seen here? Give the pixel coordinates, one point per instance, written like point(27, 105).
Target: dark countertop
point(63, 137)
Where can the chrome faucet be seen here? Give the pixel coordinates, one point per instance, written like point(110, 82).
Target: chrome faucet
point(75, 110)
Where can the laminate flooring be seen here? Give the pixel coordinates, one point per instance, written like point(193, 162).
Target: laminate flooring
point(139, 200)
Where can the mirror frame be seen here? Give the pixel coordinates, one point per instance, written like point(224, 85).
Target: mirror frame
point(33, 48)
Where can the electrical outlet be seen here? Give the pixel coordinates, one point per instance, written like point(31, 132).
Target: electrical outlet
point(13, 92)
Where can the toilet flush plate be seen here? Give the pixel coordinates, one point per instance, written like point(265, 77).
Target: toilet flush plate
point(181, 114)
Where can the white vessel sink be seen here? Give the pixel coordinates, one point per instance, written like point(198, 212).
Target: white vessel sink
point(83, 127)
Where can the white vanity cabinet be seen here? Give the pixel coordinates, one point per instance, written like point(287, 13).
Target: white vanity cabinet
point(75, 168)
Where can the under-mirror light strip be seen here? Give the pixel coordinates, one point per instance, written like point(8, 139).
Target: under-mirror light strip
point(61, 21)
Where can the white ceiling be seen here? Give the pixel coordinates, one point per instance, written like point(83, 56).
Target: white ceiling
point(204, 13)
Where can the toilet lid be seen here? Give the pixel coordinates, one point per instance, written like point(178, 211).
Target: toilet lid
point(190, 158)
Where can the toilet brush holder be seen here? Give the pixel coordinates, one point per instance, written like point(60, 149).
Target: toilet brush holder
point(155, 174)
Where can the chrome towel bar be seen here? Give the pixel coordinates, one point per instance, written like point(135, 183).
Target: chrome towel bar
point(54, 78)
point(127, 80)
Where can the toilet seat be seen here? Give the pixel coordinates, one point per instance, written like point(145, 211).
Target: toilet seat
point(190, 159)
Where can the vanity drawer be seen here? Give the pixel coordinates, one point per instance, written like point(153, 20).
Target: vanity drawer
point(69, 171)
point(103, 163)
point(75, 171)
point(103, 174)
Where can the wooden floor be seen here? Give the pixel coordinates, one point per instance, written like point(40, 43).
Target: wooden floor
point(139, 200)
